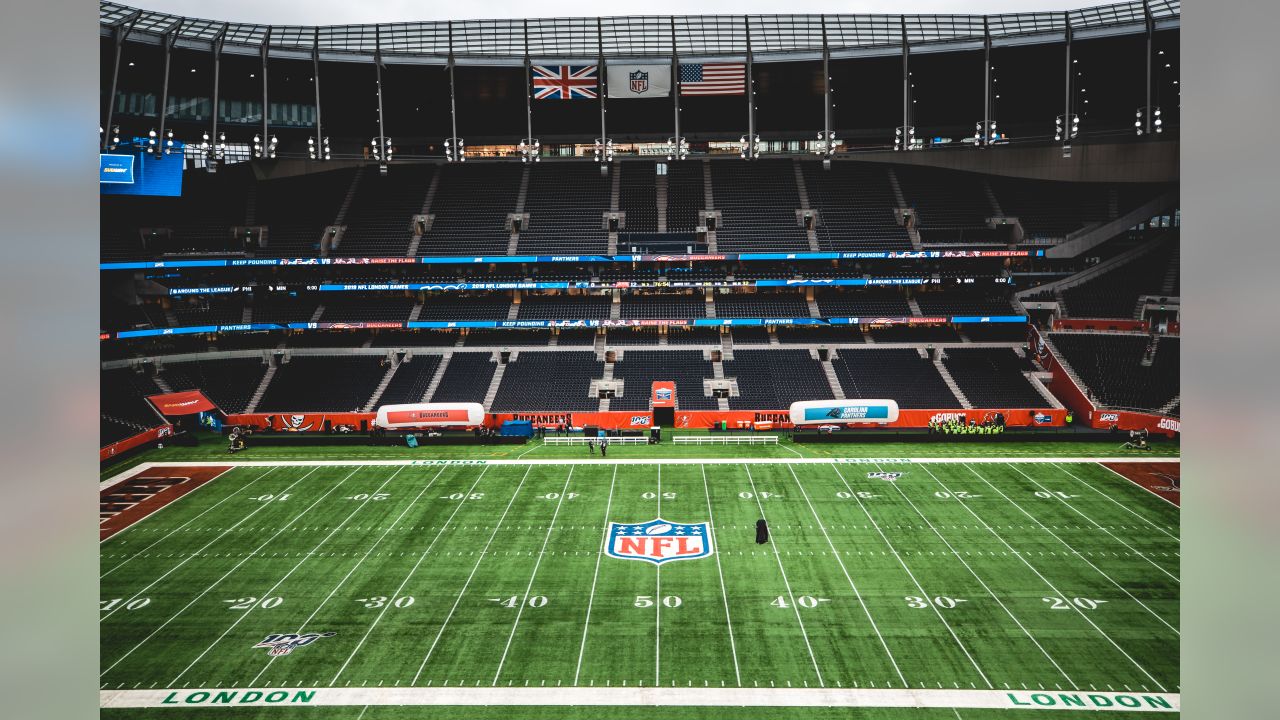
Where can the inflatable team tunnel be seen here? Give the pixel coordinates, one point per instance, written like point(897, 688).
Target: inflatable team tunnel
point(832, 412)
point(417, 415)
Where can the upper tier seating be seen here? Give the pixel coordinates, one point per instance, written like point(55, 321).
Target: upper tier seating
point(685, 196)
point(451, 306)
point(379, 221)
point(899, 375)
point(471, 205)
point(411, 380)
point(566, 203)
point(482, 337)
point(832, 303)
point(773, 379)
point(693, 336)
point(951, 206)
point(1110, 365)
point(329, 383)
point(855, 207)
point(564, 307)
point(758, 203)
point(124, 412)
point(296, 210)
point(673, 307)
point(992, 378)
point(830, 335)
point(229, 383)
point(946, 304)
point(549, 381)
point(375, 307)
point(639, 369)
point(637, 196)
point(762, 305)
point(1115, 293)
point(1049, 209)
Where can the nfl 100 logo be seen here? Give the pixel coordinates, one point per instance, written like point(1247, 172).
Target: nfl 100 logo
point(659, 541)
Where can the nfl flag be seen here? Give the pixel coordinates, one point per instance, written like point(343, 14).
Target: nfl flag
point(639, 81)
point(565, 82)
point(713, 79)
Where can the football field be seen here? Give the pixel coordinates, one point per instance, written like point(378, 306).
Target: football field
point(894, 587)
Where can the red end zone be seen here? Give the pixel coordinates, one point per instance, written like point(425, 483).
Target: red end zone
point(1162, 479)
point(146, 491)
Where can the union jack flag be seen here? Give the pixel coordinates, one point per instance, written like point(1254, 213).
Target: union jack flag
point(565, 82)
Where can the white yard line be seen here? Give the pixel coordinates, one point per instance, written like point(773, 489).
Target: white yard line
point(1077, 511)
point(192, 556)
point(1043, 579)
point(1131, 482)
point(551, 526)
point(673, 461)
point(582, 649)
point(657, 605)
point(142, 519)
point(270, 592)
point(898, 556)
point(355, 567)
point(858, 595)
point(496, 527)
point(724, 593)
point(777, 554)
point(252, 554)
point(409, 575)
point(955, 553)
point(644, 696)
point(1121, 505)
point(1075, 552)
point(169, 534)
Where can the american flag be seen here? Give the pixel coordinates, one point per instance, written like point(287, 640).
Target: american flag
point(713, 79)
point(565, 82)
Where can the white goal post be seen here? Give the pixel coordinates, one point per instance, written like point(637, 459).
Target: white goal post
point(726, 440)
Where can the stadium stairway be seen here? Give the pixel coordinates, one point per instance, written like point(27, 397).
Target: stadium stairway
point(832, 379)
point(950, 381)
point(915, 307)
point(261, 389)
point(803, 193)
point(492, 391)
point(435, 381)
point(382, 384)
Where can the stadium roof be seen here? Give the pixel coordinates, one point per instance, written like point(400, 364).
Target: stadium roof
point(776, 37)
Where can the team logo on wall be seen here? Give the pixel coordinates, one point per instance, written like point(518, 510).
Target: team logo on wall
point(639, 81)
point(659, 541)
point(283, 644)
point(663, 393)
point(890, 476)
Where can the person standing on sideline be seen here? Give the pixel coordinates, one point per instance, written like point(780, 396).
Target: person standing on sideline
point(604, 448)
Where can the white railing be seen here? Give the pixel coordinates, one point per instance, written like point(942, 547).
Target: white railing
point(585, 440)
point(726, 440)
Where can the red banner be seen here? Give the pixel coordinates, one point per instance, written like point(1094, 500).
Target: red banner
point(141, 438)
point(299, 422)
point(188, 402)
point(664, 393)
point(776, 419)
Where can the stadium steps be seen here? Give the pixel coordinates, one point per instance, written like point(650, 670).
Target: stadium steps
point(427, 202)
point(1089, 237)
point(915, 307)
point(1038, 383)
point(161, 383)
point(246, 315)
point(717, 372)
point(711, 305)
point(814, 310)
point(897, 189)
point(315, 316)
point(351, 194)
point(803, 193)
point(830, 371)
point(615, 186)
point(1170, 285)
point(772, 331)
point(607, 375)
point(513, 311)
point(251, 205)
point(600, 343)
point(498, 372)
point(615, 305)
point(708, 196)
point(950, 381)
point(435, 380)
point(1113, 203)
point(415, 312)
point(261, 389)
point(381, 387)
point(726, 342)
point(171, 317)
point(1169, 406)
point(660, 197)
point(992, 200)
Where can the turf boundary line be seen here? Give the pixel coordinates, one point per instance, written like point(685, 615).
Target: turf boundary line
point(662, 461)
point(648, 696)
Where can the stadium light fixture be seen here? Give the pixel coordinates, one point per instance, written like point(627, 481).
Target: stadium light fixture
point(749, 148)
point(677, 149)
point(904, 138)
point(455, 153)
point(990, 137)
point(604, 150)
point(530, 150)
point(1063, 133)
point(826, 145)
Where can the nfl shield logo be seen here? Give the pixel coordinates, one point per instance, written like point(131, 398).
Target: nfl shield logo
point(659, 541)
point(639, 81)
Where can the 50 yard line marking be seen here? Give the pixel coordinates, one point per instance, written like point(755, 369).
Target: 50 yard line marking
point(956, 554)
point(1075, 552)
point(858, 595)
point(355, 567)
point(1043, 579)
point(187, 559)
point(252, 553)
point(591, 599)
point(711, 524)
point(534, 575)
point(414, 569)
point(292, 570)
point(778, 556)
point(497, 526)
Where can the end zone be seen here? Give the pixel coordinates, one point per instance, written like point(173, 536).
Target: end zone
point(125, 500)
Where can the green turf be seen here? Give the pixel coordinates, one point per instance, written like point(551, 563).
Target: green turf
point(848, 551)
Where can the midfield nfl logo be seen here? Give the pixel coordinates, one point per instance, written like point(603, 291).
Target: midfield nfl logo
point(639, 82)
point(659, 541)
point(285, 643)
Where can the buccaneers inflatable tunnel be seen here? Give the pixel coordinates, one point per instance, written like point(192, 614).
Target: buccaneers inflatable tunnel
point(417, 415)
